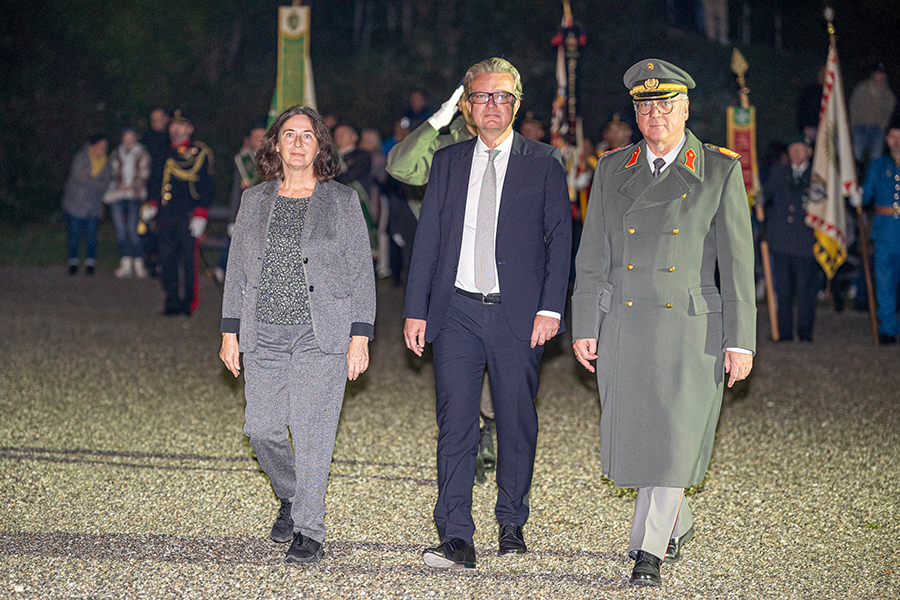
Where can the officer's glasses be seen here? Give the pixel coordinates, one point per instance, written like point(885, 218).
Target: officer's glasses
point(664, 107)
point(497, 97)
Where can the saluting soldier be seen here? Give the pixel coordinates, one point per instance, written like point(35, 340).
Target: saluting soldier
point(181, 214)
point(662, 214)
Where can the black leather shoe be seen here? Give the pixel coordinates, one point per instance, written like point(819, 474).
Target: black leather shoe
point(511, 540)
point(304, 550)
point(886, 340)
point(452, 553)
point(283, 528)
point(673, 552)
point(646, 570)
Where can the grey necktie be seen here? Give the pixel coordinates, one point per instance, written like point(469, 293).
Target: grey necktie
point(484, 227)
point(658, 164)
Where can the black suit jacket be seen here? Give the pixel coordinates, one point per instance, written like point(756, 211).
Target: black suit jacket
point(534, 236)
point(785, 205)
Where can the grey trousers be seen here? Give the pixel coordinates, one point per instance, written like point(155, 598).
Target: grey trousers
point(660, 513)
point(291, 385)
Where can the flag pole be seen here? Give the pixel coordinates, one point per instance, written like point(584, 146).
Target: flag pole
point(739, 68)
point(861, 219)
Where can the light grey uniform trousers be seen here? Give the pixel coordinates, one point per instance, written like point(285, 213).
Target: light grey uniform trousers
point(291, 384)
point(660, 513)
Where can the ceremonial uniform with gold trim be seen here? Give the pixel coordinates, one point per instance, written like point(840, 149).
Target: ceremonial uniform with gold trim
point(186, 192)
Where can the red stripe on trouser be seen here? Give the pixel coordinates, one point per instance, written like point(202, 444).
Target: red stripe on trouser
point(196, 301)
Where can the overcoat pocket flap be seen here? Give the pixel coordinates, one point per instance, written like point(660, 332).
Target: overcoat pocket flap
point(606, 297)
point(705, 300)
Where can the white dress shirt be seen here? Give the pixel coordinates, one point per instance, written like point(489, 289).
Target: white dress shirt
point(670, 158)
point(465, 272)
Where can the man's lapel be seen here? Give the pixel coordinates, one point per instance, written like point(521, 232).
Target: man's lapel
point(516, 176)
point(458, 190)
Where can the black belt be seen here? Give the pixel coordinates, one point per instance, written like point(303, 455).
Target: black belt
point(489, 299)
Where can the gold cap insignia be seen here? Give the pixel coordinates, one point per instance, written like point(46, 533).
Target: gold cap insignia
point(651, 84)
point(649, 66)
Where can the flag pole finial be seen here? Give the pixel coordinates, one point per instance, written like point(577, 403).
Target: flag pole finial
point(829, 17)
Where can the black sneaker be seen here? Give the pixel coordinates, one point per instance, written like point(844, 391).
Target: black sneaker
point(304, 550)
point(89, 270)
point(283, 528)
point(73, 269)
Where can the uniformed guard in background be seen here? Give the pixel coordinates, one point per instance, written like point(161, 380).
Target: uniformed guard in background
point(181, 215)
point(882, 188)
point(646, 306)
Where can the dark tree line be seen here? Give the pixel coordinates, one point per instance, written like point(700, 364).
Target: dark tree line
point(73, 67)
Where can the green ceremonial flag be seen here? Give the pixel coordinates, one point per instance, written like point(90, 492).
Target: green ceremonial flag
point(294, 83)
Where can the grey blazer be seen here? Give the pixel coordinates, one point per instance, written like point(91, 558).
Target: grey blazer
point(337, 261)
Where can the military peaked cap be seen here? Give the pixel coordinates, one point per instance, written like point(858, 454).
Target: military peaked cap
point(654, 79)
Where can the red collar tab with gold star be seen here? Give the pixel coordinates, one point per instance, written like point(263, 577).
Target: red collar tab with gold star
point(634, 156)
point(689, 157)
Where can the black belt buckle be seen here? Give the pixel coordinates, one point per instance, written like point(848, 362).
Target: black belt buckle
point(489, 299)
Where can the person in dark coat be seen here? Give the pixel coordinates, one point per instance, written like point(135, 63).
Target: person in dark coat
point(663, 213)
point(791, 241)
point(487, 287)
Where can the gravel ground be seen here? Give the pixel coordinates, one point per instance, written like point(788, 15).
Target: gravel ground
point(124, 472)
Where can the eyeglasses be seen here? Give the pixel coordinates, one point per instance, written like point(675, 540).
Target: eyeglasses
point(663, 106)
point(497, 97)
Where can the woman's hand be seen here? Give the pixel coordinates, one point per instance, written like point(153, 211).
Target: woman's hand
point(357, 356)
point(230, 354)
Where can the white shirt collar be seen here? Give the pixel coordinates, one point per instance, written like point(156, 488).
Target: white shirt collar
point(669, 157)
point(504, 147)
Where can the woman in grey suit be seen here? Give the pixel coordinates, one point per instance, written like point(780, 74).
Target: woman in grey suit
point(300, 304)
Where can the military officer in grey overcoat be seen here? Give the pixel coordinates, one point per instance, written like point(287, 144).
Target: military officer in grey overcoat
point(663, 213)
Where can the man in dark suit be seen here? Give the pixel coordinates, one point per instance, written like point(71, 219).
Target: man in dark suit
point(791, 240)
point(487, 287)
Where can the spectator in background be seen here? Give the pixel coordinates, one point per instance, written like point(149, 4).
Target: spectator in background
point(401, 130)
point(871, 105)
point(370, 141)
point(156, 141)
point(88, 180)
point(791, 240)
point(616, 134)
point(246, 175)
point(418, 109)
point(356, 164)
point(532, 128)
point(130, 170)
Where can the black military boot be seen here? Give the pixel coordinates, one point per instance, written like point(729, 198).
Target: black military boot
point(486, 461)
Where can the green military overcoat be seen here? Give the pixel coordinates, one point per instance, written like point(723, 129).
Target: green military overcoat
point(646, 290)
